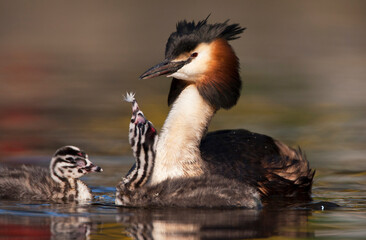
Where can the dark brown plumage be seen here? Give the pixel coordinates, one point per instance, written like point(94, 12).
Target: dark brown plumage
point(269, 165)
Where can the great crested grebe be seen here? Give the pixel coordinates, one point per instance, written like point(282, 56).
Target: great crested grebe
point(205, 73)
point(61, 182)
point(201, 191)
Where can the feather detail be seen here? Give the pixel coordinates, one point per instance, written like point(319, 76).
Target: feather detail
point(189, 35)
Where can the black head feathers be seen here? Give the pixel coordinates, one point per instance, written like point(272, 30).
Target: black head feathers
point(190, 34)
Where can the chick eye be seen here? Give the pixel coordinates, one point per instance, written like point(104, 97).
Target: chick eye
point(193, 55)
point(72, 160)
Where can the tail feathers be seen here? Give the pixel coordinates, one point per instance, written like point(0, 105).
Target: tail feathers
point(293, 163)
point(289, 173)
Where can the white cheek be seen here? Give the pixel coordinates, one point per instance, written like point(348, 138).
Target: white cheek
point(192, 71)
point(198, 66)
point(180, 75)
point(195, 69)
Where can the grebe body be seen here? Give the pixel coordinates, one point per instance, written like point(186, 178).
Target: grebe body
point(200, 191)
point(205, 71)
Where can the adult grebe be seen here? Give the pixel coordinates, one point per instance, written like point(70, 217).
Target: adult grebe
point(201, 191)
point(62, 182)
point(205, 73)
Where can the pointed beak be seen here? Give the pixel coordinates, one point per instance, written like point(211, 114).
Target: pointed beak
point(94, 168)
point(86, 164)
point(163, 68)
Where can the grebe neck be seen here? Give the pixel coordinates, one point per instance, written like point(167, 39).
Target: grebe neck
point(177, 153)
point(56, 173)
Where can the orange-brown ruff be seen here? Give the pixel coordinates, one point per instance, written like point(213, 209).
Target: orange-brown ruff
point(224, 79)
point(205, 71)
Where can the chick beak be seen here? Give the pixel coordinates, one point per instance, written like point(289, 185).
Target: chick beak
point(94, 168)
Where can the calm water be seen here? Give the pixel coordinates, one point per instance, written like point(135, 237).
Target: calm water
point(101, 219)
point(64, 68)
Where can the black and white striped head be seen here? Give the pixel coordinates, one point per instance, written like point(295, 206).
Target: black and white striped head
point(71, 162)
point(140, 128)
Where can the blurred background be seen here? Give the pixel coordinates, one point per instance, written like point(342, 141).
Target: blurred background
point(64, 66)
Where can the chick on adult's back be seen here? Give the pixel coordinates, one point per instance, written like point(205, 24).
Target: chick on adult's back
point(202, 191)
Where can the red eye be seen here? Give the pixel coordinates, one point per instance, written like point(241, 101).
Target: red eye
point(195, 54)
point(80, 154)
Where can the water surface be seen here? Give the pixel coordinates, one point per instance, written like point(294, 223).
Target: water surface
point(101, 219)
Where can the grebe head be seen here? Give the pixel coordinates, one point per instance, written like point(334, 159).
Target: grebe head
point(70, 162)
point(143, 127)
point(200, 54)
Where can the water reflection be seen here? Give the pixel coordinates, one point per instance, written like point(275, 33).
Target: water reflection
point(71, 228)
point(101, 220)
point(213, 223)
point(45, 221)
